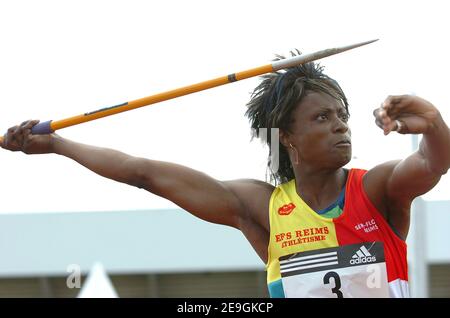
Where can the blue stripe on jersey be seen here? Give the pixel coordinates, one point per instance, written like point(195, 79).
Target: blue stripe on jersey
point(339, 202)
point(276, 289)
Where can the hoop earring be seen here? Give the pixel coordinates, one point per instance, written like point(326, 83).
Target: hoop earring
point(295, 154)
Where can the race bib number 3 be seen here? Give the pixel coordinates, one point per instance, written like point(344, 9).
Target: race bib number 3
point(357, 270)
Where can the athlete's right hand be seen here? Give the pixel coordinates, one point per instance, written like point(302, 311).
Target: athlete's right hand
point(19, 138)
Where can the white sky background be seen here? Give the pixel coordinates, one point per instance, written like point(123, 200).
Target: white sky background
point(61, 58)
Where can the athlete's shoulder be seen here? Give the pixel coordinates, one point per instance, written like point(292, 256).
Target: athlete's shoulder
point(286, 184)
point(251, 192)
point(375, 178)
point(251, 184)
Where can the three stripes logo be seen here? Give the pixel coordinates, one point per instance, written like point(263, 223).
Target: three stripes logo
point(362, 256)
point(331, 258)
point(311, 262)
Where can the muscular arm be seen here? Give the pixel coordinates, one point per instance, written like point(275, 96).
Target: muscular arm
point(242, 204)
point(421, 171)
point(393, 185)
point(222, 202)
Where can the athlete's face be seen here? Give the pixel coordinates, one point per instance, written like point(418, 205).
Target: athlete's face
point(320, 132)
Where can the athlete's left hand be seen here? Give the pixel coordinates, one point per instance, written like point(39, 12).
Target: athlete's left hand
point(406, 114)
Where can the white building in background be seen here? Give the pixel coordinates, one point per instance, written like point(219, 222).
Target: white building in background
point(158, 242)
point(155, 241)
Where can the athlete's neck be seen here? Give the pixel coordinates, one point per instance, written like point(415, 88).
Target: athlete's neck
point(319, 189)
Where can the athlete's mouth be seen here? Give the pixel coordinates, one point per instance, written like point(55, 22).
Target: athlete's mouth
point(344, 142)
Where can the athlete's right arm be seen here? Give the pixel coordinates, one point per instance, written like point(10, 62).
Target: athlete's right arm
point(231, 203)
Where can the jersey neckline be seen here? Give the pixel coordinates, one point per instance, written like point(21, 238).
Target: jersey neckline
point(317, 215)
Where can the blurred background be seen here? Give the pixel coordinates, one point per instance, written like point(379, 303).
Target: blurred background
point(64, 58)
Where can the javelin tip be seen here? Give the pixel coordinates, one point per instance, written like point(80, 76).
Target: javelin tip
point(352, 46)
point(300, 59)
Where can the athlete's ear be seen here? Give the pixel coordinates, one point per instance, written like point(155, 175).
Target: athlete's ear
point(284, 138)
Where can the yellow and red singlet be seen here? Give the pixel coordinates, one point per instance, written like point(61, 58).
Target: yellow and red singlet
point(353, 255)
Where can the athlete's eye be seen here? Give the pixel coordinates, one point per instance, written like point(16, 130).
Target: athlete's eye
point(345, 117)
point(322, 117)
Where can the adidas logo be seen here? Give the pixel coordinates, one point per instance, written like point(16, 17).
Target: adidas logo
point(362, 256)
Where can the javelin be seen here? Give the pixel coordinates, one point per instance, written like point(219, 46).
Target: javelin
point(51, 126)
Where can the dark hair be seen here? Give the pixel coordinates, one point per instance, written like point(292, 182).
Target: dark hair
point(274, 99)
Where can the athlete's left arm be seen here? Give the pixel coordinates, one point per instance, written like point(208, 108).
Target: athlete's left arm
point(418, 173)
point(399, 182)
